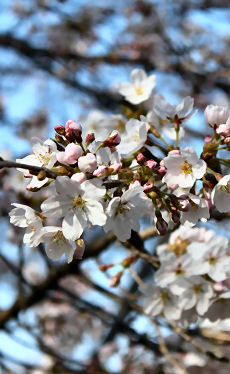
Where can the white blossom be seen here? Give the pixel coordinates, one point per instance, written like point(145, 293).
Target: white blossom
point(183, 168)
point(139, 89)
point(221, 194)
point(56, 244)
point(212, 258)
point(160, 301)
point(24, 216)
point(79, 204)
point(163, 125)
point(174, 267)
point(198, 210)
point(193, 292)
point(44, 155)
point(123, 212)
point(220, 308)
point(134, 137)
point(181, 111)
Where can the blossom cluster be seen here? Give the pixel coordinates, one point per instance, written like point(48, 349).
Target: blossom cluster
point(192, 277)
point(116, 169)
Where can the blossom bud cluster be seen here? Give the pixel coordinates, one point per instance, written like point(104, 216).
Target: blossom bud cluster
point(112, 171)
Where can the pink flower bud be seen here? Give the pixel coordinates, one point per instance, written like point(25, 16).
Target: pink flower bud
point(60, 130)
point(116, 166)
point(208, 138)
point(73, 131)
point(90, 138)
point(223, 129)
point(227, 140)
point(151, 164)
point(100, 170)
point(162, 170)
point(78, 177)
point(141, 159)
point(148, 186)
point(87, 163)
point(115, 280)
point(113, 139)
point(70, 155)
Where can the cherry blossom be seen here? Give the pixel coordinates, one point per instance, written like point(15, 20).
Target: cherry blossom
point(221, 194)
point(139, 89)
point(24, 216)
point(43, 155)
point(160, 301)
point(123, 212)
point(78, 204)
point(56, 244)
point(134, 137)
point(183, 169)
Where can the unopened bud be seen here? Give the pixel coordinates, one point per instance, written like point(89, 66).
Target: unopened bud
point(161, 224)
point(115, 281)
point(73, 131)
point(113, 139)
point(87, 163)
point(104, 267)
point(151, 164)
point(62, 170)
point(41, 175)
point(148, 186)
point(162, 227)
point(175, 216)
point(80, 249)
point(208, 138)
point(216, 114)
point(141, 159)
point(60, 130)
point(90, 138)
point(128, 261)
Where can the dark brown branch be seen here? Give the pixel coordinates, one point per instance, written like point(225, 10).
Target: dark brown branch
point(11, 164)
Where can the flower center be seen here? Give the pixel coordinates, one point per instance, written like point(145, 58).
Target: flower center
point(197, 288)
point(139, 90)
point(186, 168)
point(226, 188)
point(135, 136)
point(78, 202)
point(121, 208)
point(213, 260)
point(31, 227)
point(58, 237)
point(179, 246)
point(44, 159)
point(179, 270)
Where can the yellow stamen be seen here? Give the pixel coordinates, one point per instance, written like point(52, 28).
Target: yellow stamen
point(139, 90)
point(186, 168)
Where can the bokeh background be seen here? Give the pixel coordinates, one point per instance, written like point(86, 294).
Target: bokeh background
point(62, 60)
